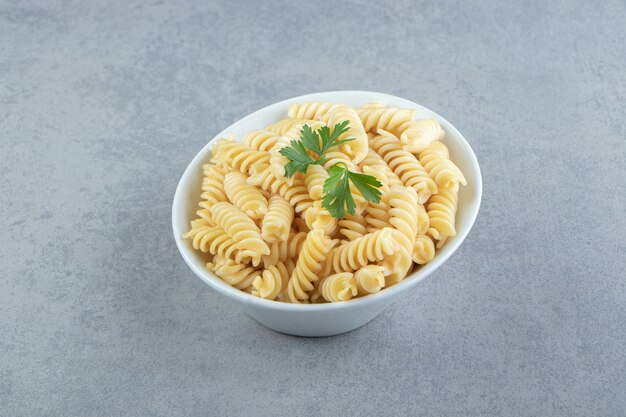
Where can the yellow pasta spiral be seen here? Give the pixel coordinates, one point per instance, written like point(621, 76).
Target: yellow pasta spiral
point(242, 229)
point(315, 249)
point(317, 217)
point(373, 162)
point(404, 164)
point(359, 252)
point(404, 211)
point(397, 265)
point(369, 279)
point(248, 198)
point(357, 148)
point(260, 140)
point(309, 110)
point(435, 159)
point(277, 222)
point(235, 155)
point(297, 194)
point(212, 184)
point(314, 181)
point(423, 250)
point(338, 287)
point(418, 134)
point(271, 282)
point(212, 239)
point(283, 126)
point(442, 212)
point(377, 116)
point(285, 250)
point(233, 273)
point(353, 226)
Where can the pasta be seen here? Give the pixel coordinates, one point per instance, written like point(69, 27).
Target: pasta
point(363, 250)
point(338, 287)
point(369, 279)
point(404, 165)
point(271, 282)
point(248, 198)
point(357, 148)
point(442, 213)
point(314, 251)
point(435, 159)
point(241, 229)
point(269, 235)
point(277, 222)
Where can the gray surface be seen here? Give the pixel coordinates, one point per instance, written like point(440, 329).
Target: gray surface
point(102, 107)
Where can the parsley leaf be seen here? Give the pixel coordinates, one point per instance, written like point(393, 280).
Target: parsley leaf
point(331, 139)
point(297, 153)
point(337, 195)
point(299, 158)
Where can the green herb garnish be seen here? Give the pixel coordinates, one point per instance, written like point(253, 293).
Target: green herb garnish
point(337, 196)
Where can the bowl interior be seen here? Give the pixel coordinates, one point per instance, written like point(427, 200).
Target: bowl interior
point(187, 194)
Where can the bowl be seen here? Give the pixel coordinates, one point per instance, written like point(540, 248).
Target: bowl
point(332, 318)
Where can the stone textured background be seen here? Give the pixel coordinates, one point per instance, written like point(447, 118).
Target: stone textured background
point(102, 105)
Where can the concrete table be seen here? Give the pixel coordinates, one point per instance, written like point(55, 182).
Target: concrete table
point(103, 104)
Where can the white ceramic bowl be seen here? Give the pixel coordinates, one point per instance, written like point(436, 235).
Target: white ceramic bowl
point(332, 318)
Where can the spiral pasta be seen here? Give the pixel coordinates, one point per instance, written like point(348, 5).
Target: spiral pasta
point(212, 185)
point(277, 222)
point(235, 155)
point(212, 239)
point(285, 250)
point(317, 217)
point(315, 249)
point(269, 235)
point(260, 140)
point(442, 212)
point(309, 110)
point(297, 194)
point(271, 282)
point(372, 247)
point(248, 198)
point(419, 134)
point(435, 159)
point(234, 273)
point(352, 227)
point(357, 148)
point(404, 164)
point(242, 229)
point(314, 181)
point(338, 287)
point(369, 279)
point(391, 119)
point(423, 250)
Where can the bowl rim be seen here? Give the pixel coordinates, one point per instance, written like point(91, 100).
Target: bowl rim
point(387, 293)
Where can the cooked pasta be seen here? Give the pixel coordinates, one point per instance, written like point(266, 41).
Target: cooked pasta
point(435, 159)
point(364, 250)
point(442, 214)
point(315, 249)
point(338, 287)
point(357, 148)
point(242, 229)
point(260, 140)
point(312, 110)
point(277, 222)
point(248, 198)
point(369, 279)
point(212, 185)
point(318, 218)
point(269, 235)
point(271, 282)
point(418, 134)
point(404, 164)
